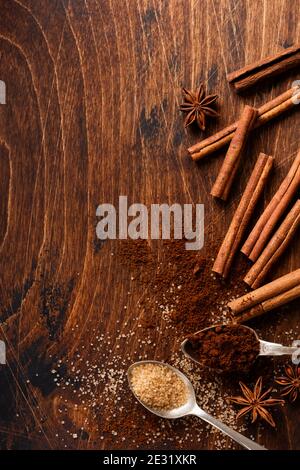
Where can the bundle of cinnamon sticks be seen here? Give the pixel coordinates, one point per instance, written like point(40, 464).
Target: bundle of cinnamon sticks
point(275, 247)
point(269, 111)
point(260, 246)
point(230, 165)
point(280, 220)
point(260, 234)
point(267, 297)
point(265, 69)
point(243, 214)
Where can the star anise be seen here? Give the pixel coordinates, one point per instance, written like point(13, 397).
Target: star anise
point(290, 382)
point(256, 402)
point(197, 106)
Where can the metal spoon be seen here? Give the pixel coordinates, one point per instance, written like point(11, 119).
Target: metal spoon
point(191, 408)
point(265, 347)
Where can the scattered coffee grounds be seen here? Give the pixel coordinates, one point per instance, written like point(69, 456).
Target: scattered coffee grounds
point(158, 386)
point(228, 348)
point(136, 254)
point(178, 285)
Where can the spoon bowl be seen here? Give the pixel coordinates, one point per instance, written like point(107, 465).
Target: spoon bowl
point(266, 348)
point(176, 412)
point(191, 408)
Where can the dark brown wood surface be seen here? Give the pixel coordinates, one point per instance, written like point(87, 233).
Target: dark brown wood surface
point(93, 88)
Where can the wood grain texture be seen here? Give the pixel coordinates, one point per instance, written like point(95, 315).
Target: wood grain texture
point(93, 88)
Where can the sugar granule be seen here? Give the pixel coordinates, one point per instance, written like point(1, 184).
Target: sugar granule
point(158, 386)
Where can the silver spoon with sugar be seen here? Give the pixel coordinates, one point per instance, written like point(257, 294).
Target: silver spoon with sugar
point(189, 407)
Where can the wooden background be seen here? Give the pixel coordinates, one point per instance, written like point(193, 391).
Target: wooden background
point(93, 88)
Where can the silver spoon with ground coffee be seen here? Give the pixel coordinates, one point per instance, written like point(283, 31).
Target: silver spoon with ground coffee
point(230, 348)
point(168, 393)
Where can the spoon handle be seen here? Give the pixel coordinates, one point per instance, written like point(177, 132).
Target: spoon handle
point(236, 436)
point(275, 349)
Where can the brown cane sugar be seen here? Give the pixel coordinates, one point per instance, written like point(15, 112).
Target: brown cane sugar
point(228, 348)
point(158, 387)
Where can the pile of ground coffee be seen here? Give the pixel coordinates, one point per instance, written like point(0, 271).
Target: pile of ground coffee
point(178, 284)
point(228, 348)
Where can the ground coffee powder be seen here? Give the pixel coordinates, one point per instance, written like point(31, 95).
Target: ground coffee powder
point(178, 284)
point(228, 348)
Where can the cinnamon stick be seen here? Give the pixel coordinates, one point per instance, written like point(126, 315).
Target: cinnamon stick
point(243, 214)
point(265, 68)
point(266, 113)
point(262, 230)
point(230, 164)
point(270, 304)
point(266, 292)
point(274, 248)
